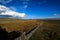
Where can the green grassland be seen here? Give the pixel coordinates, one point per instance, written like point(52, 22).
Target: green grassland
point(49, 30)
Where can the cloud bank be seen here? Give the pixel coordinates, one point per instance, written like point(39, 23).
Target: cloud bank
point(7, 12)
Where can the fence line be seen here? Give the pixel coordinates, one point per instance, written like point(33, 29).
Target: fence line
point(26, 36)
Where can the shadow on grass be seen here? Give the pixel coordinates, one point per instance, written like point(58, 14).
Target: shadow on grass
point(4, 35)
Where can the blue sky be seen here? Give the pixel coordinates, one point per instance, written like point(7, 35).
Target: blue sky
point(34, 9)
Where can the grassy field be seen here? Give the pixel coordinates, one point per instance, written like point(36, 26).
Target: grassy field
point(49, 30)
point(16, 24)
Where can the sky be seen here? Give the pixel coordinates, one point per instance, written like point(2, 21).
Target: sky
point(30, 9)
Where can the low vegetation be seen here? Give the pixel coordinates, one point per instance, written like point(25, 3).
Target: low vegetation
point(16, 24)
point(50, 30)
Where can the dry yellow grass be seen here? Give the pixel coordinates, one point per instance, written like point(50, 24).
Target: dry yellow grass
point(21, 25)
point(47, 29)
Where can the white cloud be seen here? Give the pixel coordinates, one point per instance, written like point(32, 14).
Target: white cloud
point(13, 8)
point(25, 3)
point(56, 14)
point(25, 6)
point(5, 1)
point(7, 11)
